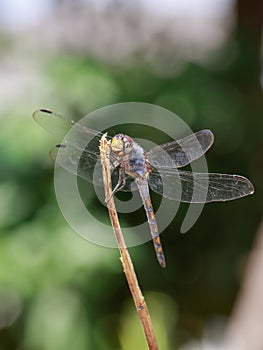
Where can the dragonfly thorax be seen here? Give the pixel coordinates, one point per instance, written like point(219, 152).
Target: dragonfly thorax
point(121, 144)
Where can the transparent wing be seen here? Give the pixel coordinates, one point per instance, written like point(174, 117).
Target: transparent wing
point(80, 154)
point(59, 126)
point(75, 160)
point(181, 152)
point(86, 165)
point(191, 187)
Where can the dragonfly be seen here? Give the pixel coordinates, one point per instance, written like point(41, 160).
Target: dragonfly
point(133, 168)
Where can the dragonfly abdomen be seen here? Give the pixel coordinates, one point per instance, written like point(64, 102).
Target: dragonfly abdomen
point(144, 192)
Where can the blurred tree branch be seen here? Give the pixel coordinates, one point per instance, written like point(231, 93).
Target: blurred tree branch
point(249, 39)
point(245, 327)
point(250, 19)
point(244, 331)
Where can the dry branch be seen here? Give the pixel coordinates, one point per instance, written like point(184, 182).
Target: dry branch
point(128, 268)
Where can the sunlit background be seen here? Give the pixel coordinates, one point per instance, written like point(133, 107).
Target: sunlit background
point(201, 60)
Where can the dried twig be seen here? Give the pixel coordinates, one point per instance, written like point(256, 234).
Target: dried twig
point(128, 268)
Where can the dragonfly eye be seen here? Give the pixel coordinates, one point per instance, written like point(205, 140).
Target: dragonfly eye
point(121, 143)
point(127, 144)
point(117, 143)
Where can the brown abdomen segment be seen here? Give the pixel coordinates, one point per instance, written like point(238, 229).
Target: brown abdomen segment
point(145, 195)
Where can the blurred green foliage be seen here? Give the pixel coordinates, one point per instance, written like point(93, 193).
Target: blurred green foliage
point(58, 291)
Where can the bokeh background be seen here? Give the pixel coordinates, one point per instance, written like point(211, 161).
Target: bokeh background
point(200, 59)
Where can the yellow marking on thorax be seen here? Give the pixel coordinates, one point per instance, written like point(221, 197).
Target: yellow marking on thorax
point(157, 240)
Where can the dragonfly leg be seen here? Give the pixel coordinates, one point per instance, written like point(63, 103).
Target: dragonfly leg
point(120, 184)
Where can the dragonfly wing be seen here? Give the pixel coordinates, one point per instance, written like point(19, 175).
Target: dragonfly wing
point(191, 187)
point(53, 122)
point(76, 161)
point(80, 152)
point(181, 152)
point(86, 165)
point(59, 126)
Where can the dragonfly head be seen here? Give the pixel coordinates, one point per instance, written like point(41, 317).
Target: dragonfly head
point(121, 144)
